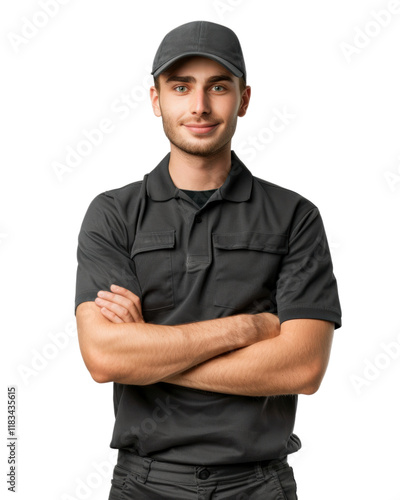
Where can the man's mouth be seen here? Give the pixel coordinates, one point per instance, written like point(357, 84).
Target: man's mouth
point(201, 128)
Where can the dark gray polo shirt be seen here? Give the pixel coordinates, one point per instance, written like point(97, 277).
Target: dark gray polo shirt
point(252, 247)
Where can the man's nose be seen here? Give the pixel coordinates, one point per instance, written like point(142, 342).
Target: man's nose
point(200, 103)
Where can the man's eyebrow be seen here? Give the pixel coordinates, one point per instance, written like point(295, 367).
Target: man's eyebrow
point(191, 79)
point(220, 78)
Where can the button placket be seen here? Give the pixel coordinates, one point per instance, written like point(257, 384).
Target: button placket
point(198, 257)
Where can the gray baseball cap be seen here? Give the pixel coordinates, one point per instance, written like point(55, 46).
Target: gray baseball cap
point(201, 38)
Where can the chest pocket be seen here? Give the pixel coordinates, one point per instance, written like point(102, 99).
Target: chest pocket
point(151, 253)
point(247, 266)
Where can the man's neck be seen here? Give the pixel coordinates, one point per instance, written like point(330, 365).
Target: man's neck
point(198, 173)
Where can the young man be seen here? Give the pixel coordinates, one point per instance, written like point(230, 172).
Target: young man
point(226, 300)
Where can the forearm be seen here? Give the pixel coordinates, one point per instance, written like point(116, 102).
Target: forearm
point(256, 370)
point(271, 367)
point(143, 353)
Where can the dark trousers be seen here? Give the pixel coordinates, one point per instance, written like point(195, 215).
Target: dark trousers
point(137, 478)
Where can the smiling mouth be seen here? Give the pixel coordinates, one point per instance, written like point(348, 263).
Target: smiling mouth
point(201, 128)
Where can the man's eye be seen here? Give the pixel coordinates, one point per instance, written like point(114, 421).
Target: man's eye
point(218, 88)
point(181, 88)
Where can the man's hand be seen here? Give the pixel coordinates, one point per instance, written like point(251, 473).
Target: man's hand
point(120, 305)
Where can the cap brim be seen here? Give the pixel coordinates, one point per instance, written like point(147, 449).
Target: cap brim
point(233, 69)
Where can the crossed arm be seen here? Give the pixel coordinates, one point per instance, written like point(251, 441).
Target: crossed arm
point(248, 355)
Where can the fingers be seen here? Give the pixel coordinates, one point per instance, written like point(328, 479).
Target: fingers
point(112, 311)
point(121, 307)
point(129, 295)
point(110, 315)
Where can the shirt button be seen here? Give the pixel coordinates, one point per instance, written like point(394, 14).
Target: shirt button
point(204, 474)
point(198, 219)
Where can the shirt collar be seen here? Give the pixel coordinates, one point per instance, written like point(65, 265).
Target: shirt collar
point(237, 186)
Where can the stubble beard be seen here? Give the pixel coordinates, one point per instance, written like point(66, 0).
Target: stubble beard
point(206, 150)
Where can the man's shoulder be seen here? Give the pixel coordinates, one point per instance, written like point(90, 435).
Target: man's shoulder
point(283, 196)
point(116, 202)
point(124, 192)
point(120, 194)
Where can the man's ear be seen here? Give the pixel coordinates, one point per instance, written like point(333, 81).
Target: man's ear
point(155, 101)
point(244, 103)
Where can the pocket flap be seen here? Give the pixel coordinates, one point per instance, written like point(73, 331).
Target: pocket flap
point(263, 242)
point(146, 242)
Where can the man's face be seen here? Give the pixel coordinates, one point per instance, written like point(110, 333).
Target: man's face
point(199, 101)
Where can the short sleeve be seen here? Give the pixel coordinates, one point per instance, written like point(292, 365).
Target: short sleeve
point(306, 286)
point(103, 255)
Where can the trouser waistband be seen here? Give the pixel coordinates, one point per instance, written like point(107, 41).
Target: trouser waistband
point(144, 467)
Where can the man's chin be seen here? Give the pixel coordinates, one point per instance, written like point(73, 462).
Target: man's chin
point(204, 151)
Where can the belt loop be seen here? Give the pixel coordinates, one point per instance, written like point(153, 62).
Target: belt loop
point(259, 471)
point(146, 469)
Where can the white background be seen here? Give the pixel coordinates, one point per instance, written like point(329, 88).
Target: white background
point(340, 149)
